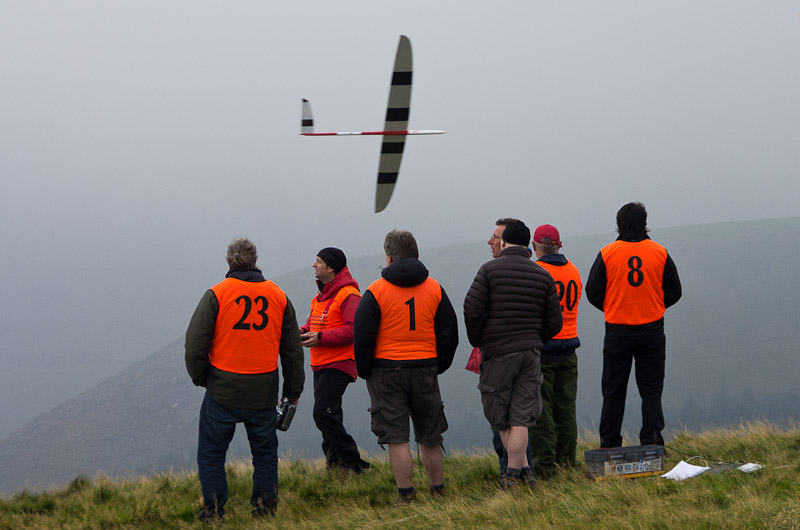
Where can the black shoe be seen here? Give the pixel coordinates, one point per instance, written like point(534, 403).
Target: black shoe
point(331, 463)
point(351, 469)
point(355, 468)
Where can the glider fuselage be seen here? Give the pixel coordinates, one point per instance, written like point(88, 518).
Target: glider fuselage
point(395, 127)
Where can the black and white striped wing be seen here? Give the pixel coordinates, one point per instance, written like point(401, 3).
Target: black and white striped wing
point(397, 112)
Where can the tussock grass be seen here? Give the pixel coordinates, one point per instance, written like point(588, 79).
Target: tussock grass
point(313, 497)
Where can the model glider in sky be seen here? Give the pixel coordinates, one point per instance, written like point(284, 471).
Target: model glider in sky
point(394, 132)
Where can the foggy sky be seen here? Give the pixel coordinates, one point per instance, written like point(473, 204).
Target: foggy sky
point(138, 138)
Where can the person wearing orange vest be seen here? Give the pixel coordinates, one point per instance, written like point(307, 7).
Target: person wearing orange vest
point(239, 331)
point(328, 332)
point(554, 436)
point(405, 335)
point(633, 281)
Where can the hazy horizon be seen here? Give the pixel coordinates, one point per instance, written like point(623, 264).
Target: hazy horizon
point(138, 139)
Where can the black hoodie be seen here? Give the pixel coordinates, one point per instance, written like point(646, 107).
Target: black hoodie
point(403, 273)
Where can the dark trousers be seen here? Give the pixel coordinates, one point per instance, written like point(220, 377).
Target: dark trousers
point(339, 447)
point(217, 426)
point(554, 437)
point(619, 352)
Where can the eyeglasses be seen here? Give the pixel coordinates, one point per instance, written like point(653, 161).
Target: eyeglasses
point(494, 236)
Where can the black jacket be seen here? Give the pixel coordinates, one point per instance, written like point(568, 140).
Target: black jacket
point(404, 273)
point(512, 305)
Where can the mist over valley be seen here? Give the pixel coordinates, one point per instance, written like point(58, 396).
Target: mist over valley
point(732, 345)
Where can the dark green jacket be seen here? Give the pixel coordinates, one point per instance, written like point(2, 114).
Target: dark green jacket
point(243, 391)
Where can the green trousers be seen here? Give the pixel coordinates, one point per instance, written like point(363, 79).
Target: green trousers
point(554, 437)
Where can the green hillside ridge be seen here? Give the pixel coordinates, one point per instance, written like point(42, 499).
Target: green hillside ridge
point(313, 497)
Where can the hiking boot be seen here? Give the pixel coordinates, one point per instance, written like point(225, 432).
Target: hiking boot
point(437, 491)
point(528, 476)
point(408, 498)
point(510, 482)
point(210, 516)
point(265, 510)
point(262, 512)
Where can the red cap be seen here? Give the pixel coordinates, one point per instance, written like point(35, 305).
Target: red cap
point(547, 231)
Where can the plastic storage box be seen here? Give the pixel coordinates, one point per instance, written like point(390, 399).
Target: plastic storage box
point(624, 462)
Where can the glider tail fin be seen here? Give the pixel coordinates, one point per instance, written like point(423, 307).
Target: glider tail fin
point(307, 122)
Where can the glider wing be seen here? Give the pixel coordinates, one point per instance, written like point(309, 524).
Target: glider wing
point(397, 112)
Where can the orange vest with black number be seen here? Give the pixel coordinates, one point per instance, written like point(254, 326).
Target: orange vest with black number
point(634, 282)
point(406, 331)
point(247, 334)
point(569, 286)
point(328, 315)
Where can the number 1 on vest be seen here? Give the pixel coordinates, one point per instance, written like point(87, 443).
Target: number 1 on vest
point(412, 325)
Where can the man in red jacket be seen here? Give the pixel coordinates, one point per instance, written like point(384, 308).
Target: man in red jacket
point(328, 333)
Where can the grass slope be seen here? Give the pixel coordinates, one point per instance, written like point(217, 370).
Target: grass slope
point(311, 497)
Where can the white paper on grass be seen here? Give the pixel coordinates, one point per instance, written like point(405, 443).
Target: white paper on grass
point(749, 468)
point(682, 471)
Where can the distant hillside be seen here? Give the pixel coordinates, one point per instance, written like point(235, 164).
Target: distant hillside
point(732, 353)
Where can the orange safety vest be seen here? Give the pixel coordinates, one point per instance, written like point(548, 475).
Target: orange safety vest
point(569, 286)
point(406, 331)
point(328, 315)
point(247, 334)
point(634, 282)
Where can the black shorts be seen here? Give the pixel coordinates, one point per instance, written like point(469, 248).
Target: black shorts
point(399, 392)
point(511, 389)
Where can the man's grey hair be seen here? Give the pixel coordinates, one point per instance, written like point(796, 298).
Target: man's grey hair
point(400, 244)
point(546, 246)
point(241, 254)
